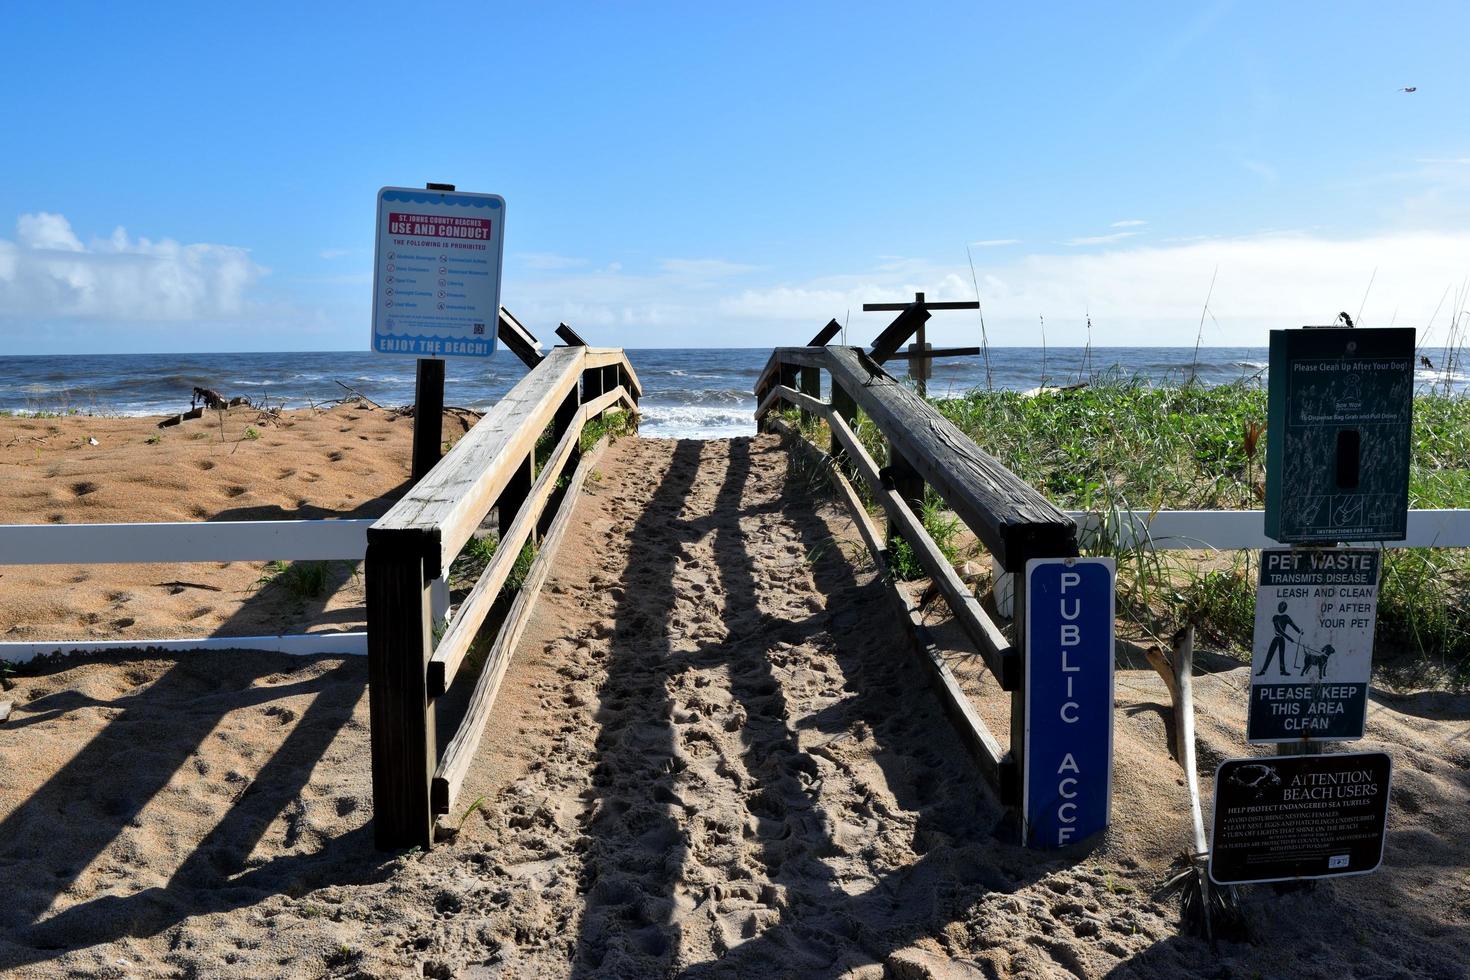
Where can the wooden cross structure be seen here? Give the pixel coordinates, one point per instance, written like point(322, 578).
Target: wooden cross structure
point(910, 323)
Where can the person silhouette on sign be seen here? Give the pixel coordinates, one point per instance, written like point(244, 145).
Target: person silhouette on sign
point(1282, 622)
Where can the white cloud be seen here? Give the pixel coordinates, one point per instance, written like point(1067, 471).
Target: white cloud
point(1145, 295)
point(1128, 223)
point(336, 253)
point(1116, 236)
point(1444, 161)
point(995, 242)
point(48, 271)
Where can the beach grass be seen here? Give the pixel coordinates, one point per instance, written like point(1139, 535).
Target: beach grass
point(1123, 443)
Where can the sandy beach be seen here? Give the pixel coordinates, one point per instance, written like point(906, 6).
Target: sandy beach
point(741, 775)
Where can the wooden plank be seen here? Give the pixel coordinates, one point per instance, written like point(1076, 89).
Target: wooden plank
point(449, 775)
point(800, 356)
point(352, 644)
point(456, 641)
point(402, 719)
point(785, 393)
point(972, 729)
point(182, 541)
point(518, 340)
point(570, 336)
point(825, 335)
point(598, 357)
point(999, 655)
point(811, 385)
point(897, 333)
point(933, 352)
point(964, 304)
point(1013, 520)
point(607, 400)
point(446, 507)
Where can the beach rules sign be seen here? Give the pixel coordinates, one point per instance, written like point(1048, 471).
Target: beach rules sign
point(1313, 652)
point(1068, 753)
point(436, 272)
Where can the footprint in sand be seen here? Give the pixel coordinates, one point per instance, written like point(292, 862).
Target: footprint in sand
point(286, 473)
point(123, 623)
point(204, 464)
point(336, 456)
point(198, 513)
point(84, 487)
point(200, 611)
point(235, 491)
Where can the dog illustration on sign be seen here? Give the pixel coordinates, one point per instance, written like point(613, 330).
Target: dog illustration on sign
point(1312, 657)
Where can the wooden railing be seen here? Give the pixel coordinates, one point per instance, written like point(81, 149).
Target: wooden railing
point(1012, 520)
point(492, 467)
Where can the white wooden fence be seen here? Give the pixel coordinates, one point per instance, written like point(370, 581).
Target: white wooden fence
point(1224, 530)
point(182, 542)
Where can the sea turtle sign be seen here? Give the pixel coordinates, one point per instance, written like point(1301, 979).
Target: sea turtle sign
point(436, 272)
point(1299, 816)
point(1315, 612)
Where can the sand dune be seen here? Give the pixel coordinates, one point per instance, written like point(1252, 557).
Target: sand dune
point(743, 775)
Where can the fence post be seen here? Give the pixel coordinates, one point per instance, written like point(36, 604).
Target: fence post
point(1012, 789)
point(908, 483)
point(508, 504)
point(843, 404)
point(811, 384)
point(402, 719)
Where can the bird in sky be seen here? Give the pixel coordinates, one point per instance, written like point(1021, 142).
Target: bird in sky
point(1411, 88)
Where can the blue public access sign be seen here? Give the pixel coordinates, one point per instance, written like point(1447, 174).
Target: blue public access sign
point(1067, 782)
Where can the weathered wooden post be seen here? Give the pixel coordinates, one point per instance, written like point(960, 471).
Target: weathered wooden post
point(844, 406)
point(908, 484)
point(811, 384)
point(401, 717)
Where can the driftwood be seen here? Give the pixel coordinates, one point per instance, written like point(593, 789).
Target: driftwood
point(208, 397)
point(360, 396)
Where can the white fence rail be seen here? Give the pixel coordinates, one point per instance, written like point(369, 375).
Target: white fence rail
point(1224, 530)
point(1228, 530)
point(183, 542)
point(88, 544)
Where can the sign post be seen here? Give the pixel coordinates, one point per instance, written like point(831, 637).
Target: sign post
point(1068, 754)
point(436, 290)
point(1313, 651)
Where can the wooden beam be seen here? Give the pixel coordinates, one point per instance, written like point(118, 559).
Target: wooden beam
point(402, 720)
point(897, 333)
point(572, 338)
point(904, 355)
point(978, 739)
point(456, 641)
point(446, 507)
point(518, 340)
point(1011, 518)
point(987, 637)
point(945, 305)
point(182, 541)
point(825, 335)
point(461, 749)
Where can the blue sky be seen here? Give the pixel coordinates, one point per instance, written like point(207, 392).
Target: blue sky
point(202, 177)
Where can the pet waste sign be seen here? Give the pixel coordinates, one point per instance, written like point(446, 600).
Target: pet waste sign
point(1313, 653)
point(436, 272)
point(1068, 752)
point(1299, 816)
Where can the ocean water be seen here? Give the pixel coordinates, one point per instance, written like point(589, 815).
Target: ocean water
point(688, 393)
